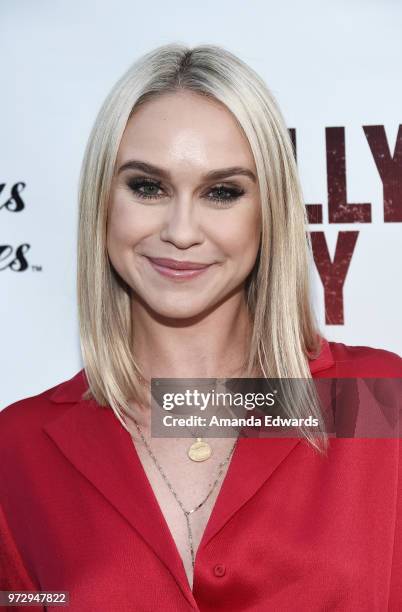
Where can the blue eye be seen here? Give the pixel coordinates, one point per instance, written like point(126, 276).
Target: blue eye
point(147, 189)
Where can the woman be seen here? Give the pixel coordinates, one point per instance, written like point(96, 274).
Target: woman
point(193, 263)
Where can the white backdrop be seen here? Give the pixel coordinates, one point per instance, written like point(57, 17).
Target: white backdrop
point(329, 64)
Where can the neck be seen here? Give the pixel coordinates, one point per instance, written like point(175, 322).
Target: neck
point(212, 346)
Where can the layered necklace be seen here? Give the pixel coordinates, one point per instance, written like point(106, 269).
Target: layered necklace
point(186, 512)
point(200, 450)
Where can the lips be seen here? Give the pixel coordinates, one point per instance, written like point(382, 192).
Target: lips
point(178, 271)
point(175, 264)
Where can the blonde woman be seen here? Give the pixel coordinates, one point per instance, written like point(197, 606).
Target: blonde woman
point(193, 262)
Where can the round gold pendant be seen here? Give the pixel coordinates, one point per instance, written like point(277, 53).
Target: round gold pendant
point(199, 451)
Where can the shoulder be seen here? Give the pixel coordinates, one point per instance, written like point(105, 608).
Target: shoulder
point(365, 361)
point(21, 422)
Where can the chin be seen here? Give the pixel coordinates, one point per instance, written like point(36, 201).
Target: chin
point(177, 309)
point(177, 312)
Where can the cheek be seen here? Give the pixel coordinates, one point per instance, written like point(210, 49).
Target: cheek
point(124, 226)
point(239, 235)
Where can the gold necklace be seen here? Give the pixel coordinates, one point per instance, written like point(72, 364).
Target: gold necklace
point(165, 478)
point(200, 450)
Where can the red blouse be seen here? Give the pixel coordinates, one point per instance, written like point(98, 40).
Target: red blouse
point(290, 531)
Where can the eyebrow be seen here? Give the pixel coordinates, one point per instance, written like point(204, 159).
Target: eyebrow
point(222, 173)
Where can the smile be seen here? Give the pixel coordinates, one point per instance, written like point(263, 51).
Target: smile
point(176, 272)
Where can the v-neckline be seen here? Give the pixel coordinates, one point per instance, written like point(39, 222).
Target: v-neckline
point(104, 453)
point(162, 519)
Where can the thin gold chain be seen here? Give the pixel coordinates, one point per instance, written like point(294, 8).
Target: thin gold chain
point(165, 478)
point(186, 513)
point(148, 383)
point(242, 368)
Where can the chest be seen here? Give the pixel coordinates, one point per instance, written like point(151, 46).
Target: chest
point(184, 485)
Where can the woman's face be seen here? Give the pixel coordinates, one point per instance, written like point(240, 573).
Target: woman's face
point(185, 189)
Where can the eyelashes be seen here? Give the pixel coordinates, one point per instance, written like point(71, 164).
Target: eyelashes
point(147, 189)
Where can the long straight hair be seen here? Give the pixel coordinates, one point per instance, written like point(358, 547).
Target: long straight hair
point(285, 333)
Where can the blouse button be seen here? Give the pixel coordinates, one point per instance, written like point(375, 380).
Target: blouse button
point(219, 570)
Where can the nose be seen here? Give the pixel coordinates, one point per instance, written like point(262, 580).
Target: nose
point(181, 224)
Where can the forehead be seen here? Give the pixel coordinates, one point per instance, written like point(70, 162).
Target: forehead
point(185, 126)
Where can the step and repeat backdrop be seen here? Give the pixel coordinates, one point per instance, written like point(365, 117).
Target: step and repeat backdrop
point(334, 68)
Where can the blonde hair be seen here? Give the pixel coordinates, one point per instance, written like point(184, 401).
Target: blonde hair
point(284, 330)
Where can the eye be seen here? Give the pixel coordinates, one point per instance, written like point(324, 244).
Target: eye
point(145, 188)
point(225, 194)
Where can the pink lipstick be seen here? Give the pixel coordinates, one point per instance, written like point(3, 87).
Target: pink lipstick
point(173, 268)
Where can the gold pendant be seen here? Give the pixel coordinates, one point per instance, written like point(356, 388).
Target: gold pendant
point(199, 451)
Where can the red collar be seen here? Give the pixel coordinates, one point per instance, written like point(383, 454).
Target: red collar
point(324, 360)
